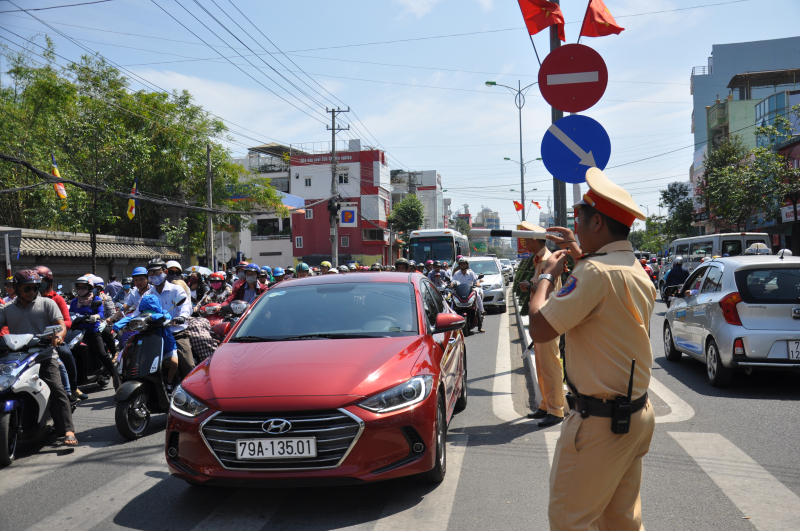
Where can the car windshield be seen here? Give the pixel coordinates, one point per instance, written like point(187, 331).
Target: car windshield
point(364, 309)
point(505, 261)
point(487, 267)
point(431, 248)
point(776, 286)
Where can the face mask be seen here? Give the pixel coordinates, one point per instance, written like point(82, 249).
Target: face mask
point(240, 275)
point(216, 285)
point(157, 280)
point(251, 279)
point(173, 276)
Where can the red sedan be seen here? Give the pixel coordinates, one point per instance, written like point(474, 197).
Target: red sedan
point(327, 379)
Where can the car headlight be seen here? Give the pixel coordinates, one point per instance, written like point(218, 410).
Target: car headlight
point(496, 286)
point(406, 394)
point(186, 404)
point(239, 307)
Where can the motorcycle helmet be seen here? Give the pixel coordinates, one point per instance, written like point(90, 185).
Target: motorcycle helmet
point(437, 263)
point(344, 269)
point(679, 260)
point(241, 264)
point(643, 261)
point(44, 272)
point(429, 262)
point(333, 271)
point(353, 267)
point(376, 267)
point(9, 280)
point(267, 269)
point(26, 276)
point(126, 283)
point(326, 264)
point(459, 257)
point(156, 263)
point(463, 260)
point(139, 271)
point(278, 272)
point(252, 267)
point(302, 266)
point(174, 263)
point(290, 270)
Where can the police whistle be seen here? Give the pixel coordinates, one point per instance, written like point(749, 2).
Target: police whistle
point(496, 233)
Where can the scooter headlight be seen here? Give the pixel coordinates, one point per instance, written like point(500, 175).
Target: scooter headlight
point(239, 307)
point(8, 375)
point(137, 325)
point(185, 404)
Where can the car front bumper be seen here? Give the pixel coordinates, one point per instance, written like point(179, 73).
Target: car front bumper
point(495, 297)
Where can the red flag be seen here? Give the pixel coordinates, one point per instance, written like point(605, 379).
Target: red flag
point(518, 206)
point(537, 204)
point(598, 21)
point(541, 14)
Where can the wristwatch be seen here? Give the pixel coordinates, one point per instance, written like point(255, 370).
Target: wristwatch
point(546, 276)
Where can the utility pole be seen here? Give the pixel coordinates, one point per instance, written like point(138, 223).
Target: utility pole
point(209, 219)
point(559, 187)
point(334, 199)
point(520, 101)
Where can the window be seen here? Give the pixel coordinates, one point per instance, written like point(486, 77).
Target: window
point(682, 250)
point(267, 227)
point(699, 250)
point(308, 181)
point(373, 234)
point(732, 247)
point(345, 241)
point(309, 214)
point(298, 242)
point(344, 178)
point(275, 253)
point(751, 242)
point(776, 286)
point(713, 280)
point(436, 297)
point(427, 302)
point(693, 282)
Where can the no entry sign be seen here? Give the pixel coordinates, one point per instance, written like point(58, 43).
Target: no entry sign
point(573, 78)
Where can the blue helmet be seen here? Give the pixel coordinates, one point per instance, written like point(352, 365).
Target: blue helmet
point(302, 266)
point(139, 271)
point(252, 267)
point(278, 272)
point(268, 269)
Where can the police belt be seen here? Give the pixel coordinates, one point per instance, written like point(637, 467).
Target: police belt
point(589, 406)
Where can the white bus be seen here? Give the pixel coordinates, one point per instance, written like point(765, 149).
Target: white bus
point(437, 244)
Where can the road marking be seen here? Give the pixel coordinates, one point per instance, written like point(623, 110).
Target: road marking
point(46, 461)
point(244, 510)
point(679, 410)
point(502, 399)
point(432, 513)
point(105, 501)
point(586, 159)
point(765, 500)
point(575, 77)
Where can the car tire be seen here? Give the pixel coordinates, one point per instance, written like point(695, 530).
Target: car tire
point(503, 309)
point(461, 402)
point(718, 374)
point(439, 470)
point(670, 352)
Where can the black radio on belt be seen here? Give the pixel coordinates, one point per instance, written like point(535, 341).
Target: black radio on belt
point(621, 412)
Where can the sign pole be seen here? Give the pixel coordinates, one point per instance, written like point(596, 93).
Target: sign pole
point(559, 187)
point(8, 257)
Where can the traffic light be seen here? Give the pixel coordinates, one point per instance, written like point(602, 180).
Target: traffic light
point(333, 208)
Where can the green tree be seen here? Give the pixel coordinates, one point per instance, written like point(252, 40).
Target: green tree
point(407, 215)
point(676, 199)
point(724, 189)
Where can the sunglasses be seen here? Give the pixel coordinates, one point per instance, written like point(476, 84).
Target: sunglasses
point(28, 289)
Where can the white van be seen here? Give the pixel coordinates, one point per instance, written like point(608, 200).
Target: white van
point(694, 249)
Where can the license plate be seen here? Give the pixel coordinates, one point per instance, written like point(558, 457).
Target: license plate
point(276, 448)
point(794, 350)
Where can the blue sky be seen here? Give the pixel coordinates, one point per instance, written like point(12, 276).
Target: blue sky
point(425, 102)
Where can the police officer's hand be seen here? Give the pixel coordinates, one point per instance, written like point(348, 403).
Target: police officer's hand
point(567, 236)
point(556, 264)
point(526, 286)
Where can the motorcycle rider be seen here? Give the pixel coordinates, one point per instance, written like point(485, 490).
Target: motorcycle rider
point(303, 270)
point(438, 281)
point(167, 293)
point(10, 293)
point(401, 265)
point(352, 268)
point(325, 267)
point(218, 292)
point(113, 287)
point(647, 268)
point(438, 268)
point(174, 272)
point(82, 305)
point(268, 271)
point(468, 276)
point(376, 267)
point(344, 269)
point(122, 294)
point(278, 274)
point(197, 286)
point(678, 274)
point(31, 314)
point(290, 273)
point(249, 290)
point(64, 353)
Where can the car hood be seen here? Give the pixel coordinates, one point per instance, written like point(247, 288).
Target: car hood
point(343, 368)
point(490, 280)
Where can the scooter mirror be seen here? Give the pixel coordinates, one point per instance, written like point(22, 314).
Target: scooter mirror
point(60, 286)
point(179, 302)
point(481, 276)
point(96, 304)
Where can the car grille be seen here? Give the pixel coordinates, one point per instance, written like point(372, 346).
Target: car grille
point(335, 431)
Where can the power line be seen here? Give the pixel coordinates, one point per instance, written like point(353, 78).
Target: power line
point(55, 7)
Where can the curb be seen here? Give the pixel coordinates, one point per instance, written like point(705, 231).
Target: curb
point(531, 365)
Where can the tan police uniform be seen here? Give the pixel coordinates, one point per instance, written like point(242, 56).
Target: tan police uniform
point(547, 356)
point(604, 308)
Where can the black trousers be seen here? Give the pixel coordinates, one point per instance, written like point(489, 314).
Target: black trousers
point(185, 358)
point(69, 362)
point(108, 339)
point(60, 408)
point(94, 341)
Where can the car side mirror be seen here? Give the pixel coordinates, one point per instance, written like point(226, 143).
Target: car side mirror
point(673, 291)
point(221, 329)
point(448, 322)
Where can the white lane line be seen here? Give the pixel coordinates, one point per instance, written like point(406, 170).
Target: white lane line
point(770, 505)
point(502, 400)
point(105, 501)
point(679, 410)
point(433, 512)
point(35, 467)
point(575, 77)
point(551, 438)
point(244, 510)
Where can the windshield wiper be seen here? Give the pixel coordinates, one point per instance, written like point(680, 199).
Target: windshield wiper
point(249, 339)
point(329, 336)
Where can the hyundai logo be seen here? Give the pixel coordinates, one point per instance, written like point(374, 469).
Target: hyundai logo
point(276, 426)
point(796, 313)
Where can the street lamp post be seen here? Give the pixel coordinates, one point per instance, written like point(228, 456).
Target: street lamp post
point(519, 101)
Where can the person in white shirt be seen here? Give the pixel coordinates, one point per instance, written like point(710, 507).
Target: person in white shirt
point(465, 275)
point(168, 293)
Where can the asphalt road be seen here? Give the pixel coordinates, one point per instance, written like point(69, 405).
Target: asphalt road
point(717, 456)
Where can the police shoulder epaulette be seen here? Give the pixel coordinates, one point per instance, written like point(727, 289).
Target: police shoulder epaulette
point(590, 255)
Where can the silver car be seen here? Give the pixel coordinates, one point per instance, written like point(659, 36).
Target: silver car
point(737, 313)
point(508, 270)
point(493, 282)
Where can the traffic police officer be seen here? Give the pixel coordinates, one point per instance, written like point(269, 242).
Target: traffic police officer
point(545, 355)
point(604, 308)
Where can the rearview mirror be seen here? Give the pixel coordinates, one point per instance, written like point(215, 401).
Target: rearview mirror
point(96, 304)
point(179, 302)
point(448, 322)
point(673, 291)
point(481, 276)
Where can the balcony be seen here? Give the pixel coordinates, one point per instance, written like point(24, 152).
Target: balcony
point(717, 115)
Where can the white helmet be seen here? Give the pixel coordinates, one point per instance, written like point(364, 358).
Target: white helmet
point(679, 260)
point(173, 263)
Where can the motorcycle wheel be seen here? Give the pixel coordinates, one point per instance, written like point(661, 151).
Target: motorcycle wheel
point(8, 437)
point(132, 416)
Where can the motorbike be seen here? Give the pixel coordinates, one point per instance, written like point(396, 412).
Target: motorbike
point(465, 300)
point(24, 396)
point(90, 369)
point(212, 312)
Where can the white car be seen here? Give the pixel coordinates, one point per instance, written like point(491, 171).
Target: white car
point(493, 283)
point(508, 269)
point(740, 313)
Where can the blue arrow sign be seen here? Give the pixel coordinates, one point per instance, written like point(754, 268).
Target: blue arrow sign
point(574, 144)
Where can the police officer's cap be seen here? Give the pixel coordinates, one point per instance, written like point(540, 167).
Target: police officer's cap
point(609, 199)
